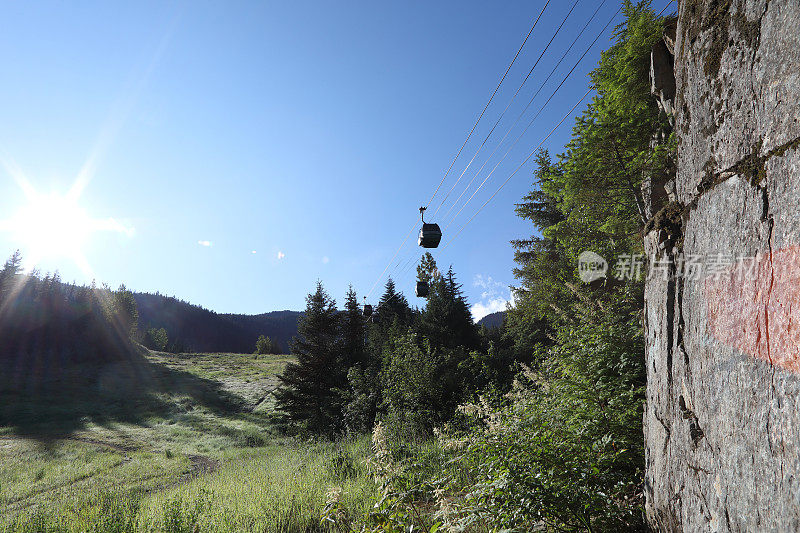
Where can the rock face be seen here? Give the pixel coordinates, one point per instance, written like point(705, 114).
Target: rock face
point(722, 422)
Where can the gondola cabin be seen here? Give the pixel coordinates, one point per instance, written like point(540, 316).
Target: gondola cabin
point(422, 289)
point(367, 310)
point(430, 235)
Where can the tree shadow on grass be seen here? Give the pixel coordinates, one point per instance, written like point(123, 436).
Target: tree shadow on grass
point(44, 398)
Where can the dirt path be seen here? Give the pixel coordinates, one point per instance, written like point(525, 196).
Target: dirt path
point(202, 465)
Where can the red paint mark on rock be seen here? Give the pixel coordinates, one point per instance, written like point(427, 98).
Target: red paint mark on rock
point(754, 306)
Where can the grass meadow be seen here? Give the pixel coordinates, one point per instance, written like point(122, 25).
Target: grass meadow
point(172, 443)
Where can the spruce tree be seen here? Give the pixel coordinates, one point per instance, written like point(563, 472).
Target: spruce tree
point(447, 319)
point(395, 315)
point(307, 395)
point(393, 306)
point(427, 270)
point(8, 275)
point(362, 395)
point(352, 349)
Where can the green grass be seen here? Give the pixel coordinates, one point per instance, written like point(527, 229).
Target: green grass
point(167, 443)
point(275, 489)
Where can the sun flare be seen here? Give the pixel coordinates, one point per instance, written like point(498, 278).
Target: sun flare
point(52, 225)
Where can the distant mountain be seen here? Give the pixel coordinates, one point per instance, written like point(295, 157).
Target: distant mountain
point(493, 320)
point(197, 329)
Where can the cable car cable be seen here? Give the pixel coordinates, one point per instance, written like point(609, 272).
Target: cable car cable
point(665, 8)
point(487, 103)
point(515, 142)
point(519, 117)
point(507, 106)
point(519, 167)
point(410, 231)
point(534, 118)
point(465, 141)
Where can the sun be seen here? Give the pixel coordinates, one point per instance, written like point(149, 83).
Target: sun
point(52, 226)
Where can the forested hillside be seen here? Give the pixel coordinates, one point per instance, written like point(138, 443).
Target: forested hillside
point(493, 320)
point(191, 328)
point(53, 315)
point(46, 326)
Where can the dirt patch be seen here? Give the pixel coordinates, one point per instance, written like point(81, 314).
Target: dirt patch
point(202, 465)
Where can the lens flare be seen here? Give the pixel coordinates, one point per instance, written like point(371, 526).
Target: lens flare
point(52, 226)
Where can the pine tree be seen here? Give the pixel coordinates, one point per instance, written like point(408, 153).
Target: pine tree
point(447, 319)
point(308, 396)
point(352, 330)
point(13, 265)
point(360, 399)
point(427, 270)
point(393, 306)
point(125, 311)
point(8, 276)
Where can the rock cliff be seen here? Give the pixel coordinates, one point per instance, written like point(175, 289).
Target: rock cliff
point(722, 317)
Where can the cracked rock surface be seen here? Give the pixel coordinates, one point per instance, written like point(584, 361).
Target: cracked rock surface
point(722, 422)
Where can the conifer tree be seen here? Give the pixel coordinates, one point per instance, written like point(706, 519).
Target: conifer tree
point(126, 315)
point(352, 331)
point(307, 396)
point(8, 275)
point(393, 306)
point(13, 265)
point(362, 396)
point(157, 339)
point(447, 319)
point(427, 270)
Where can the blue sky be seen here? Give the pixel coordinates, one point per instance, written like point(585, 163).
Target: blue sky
point(232, 153)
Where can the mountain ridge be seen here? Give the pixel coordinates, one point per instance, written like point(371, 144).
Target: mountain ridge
point(194, 328)
point(493, 320)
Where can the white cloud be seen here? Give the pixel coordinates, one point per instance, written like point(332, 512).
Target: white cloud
point(326, 260)
point(204, 243)
point(491, 288)
point(495, 296)
point(480, 309)
point(111, 224)
point(253, 252)
point(281, 255)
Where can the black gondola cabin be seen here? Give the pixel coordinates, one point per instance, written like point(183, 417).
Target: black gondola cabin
point(422, 289)
point(430, 235)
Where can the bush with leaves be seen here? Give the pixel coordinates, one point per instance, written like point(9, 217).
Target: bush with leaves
point(157, 339)
point(264, 346)
point(563, 449)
